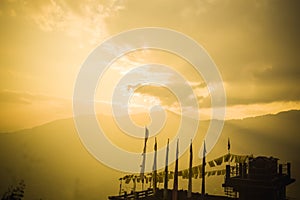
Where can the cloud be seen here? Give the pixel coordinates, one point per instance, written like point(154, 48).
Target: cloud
point(52, 17)
point(84, 20)
point(23, 109)
point(253, 110)
point(19, 97)
point(254, 54)
point(254, 44)
point(265, 84)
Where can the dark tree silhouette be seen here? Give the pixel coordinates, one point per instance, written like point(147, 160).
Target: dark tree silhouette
point(15, 193)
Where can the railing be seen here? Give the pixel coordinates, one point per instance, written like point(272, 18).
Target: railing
point(285, 169)
point(239, 170)
point(229, 192)
point(133, 195)
point(242, 171)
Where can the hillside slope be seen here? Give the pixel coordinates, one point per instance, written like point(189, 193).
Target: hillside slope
point(55, 165)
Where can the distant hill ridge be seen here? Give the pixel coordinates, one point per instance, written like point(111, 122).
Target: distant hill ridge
point(55, 165)
point(290, 114)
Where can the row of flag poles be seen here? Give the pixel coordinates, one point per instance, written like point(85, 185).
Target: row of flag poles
point(196, 170)
point(192, 172)
point(175, 184)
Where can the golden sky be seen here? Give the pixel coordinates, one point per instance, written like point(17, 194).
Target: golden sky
point(255, 45)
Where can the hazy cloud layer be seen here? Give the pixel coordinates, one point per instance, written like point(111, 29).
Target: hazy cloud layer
point(7, 96)
point(24, 110)
point(255, 45)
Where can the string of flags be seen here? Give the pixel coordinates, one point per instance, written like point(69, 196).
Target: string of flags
point(226, 158)
point(196, 170)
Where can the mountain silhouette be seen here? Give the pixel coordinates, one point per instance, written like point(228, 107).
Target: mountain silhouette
point(55, 165)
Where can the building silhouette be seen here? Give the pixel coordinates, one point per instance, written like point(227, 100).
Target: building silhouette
point(262, 178)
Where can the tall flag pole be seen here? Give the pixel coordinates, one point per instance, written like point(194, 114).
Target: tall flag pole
point(203, 170)
point(228, 148)
point(144, 157)
point(189, 194)
point(120, 191)
point(134, 184)
point(175, 185)
point(155, 167)
point(165, 197)
point(228, 145)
